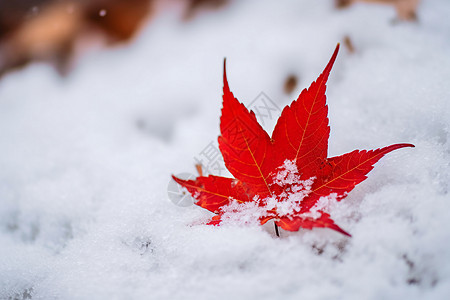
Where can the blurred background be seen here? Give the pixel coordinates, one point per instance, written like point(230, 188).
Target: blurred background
point(60, 31)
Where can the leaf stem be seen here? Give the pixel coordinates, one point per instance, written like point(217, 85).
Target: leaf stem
point(276, 229)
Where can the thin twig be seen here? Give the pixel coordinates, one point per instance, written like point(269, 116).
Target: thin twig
point(276, 229)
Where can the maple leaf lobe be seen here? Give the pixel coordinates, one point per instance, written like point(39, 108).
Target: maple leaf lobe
point(213, 192)
point(302, 131)
point(245, 146)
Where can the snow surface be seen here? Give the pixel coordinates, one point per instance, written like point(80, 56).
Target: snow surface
point(85, 161)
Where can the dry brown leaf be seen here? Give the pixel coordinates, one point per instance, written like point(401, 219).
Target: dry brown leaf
point(406, 9)
point(290, 84)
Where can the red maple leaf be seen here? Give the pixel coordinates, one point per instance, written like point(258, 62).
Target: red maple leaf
point(288, 177)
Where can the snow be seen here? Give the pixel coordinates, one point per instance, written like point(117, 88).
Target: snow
point(247, 213)
point(324, 204)
point(287, 174)
point(294, 190)
point(85, 161)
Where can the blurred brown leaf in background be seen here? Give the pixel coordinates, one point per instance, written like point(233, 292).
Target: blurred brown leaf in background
point(406, 9)
point(56, 31)
point(49, 30)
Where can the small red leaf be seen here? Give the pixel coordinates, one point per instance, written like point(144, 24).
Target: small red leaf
point(287, 178)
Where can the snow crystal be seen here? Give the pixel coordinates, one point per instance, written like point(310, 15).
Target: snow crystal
point(288, 176)
point(242, 213)
point(323, 204)
point(295, 190)
point(287, 173)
